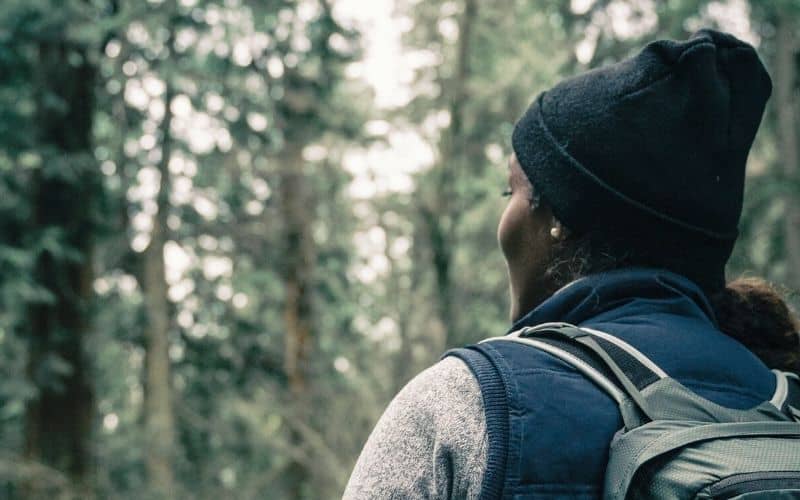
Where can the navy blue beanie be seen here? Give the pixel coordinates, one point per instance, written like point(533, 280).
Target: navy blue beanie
point(651, 151)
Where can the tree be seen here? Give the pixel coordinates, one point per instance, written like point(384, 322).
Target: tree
point(159, 397)
point(56, 167)
point(787, 48)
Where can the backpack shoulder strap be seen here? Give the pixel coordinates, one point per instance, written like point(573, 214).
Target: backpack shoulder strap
point(787, 394)
point(614, 365)
point(575, 356)
point(633, 370)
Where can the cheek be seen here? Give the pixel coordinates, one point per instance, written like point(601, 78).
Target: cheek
point(511, 231)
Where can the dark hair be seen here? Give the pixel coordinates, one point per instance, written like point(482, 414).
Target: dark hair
point(749, 309)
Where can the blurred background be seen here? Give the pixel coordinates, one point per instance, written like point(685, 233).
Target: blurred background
point(231, 230)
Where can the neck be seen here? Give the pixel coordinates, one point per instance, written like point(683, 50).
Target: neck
point(594, 294)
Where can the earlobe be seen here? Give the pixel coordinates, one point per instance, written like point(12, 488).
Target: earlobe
point(558, 231)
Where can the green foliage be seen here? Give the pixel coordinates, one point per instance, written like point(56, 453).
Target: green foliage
point(398, 275)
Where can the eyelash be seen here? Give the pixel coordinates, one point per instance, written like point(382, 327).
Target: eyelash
point(506, 192)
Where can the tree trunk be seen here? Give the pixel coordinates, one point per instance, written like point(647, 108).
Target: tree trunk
point(786, 99)
point(159, 418)
point(58, 420)
point(443, 219)
point(298, 215)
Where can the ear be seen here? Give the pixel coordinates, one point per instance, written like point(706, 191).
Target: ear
point(557, 230)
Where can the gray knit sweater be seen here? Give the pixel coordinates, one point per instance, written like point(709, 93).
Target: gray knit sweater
point(430, 443)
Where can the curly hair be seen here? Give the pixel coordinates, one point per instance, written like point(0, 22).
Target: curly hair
point(753, 311)
point(749, 309)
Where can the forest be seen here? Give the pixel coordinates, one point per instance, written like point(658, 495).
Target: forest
point(232, 230)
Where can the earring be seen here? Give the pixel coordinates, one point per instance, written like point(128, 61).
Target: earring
point(555, 232)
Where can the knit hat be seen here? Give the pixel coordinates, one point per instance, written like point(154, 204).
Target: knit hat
point(652, 150)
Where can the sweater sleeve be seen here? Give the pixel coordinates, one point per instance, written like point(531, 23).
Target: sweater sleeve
point(430, 443)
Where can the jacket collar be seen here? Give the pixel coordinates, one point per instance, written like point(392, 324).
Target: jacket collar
point(611, 291)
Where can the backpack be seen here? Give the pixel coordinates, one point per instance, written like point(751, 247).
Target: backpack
point(675, 444)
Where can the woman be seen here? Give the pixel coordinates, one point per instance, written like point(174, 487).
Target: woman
point(625, 191)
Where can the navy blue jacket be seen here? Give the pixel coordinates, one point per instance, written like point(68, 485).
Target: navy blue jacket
point(549, 427)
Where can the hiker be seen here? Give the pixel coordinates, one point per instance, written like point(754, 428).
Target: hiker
point(625, 190)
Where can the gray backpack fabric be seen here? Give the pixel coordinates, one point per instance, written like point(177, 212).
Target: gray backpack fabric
point(675, 444)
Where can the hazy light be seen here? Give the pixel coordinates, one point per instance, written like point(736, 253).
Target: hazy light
point(228, 477)
point(241, 54)
point(581, 7)
point(140, 242)
point(149, 179)
point(205, 207)
point(175, 164)
point(181, 190)
point(179, 291)
point(315, 152)
point(185, 319)
point(275, 67)
point(207, 242)
point(732, 16)
point(379, 263)
point(257, 121)
point(370, 242)
point(110, 422)
point(385, 66)
point(127, 284)
point(448, 28)
point(231, 113)
point(129, 68)
point(217, 266)
point(173, 222)
point(181, 106)
point(135, 95)
point(147, 141)
point(101, 286)
point(153, 86)
point(142, 222)
point(308, 10)
point(383, 330)
point(224, 292)
point(137, 33)
point(400, 247)
point(224, 140)
point(185, 38)
point(156, 109)
point(214, 102)
point(221, 50)
point(260, 188)
point(300, 42)
point(339, 43)
point(494, 152)
point(254, 207)
point(584, 50)
point(341, 364)
point(108, 167)
point(177, 261)
point(364, 274)
point(113, 48)
point(377, 127)
point(387, 168)
point(632, 20)
point(175, 352)
point(239, 300)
